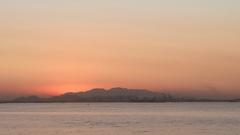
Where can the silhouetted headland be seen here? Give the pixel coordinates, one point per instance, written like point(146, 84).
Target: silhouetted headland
point(112, 95)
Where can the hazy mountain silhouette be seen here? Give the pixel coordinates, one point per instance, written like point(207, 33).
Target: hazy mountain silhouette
point(113, 95)
point(117, 94)
point(102, 95)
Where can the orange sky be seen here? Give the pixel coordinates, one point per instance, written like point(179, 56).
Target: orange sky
point(49, 48)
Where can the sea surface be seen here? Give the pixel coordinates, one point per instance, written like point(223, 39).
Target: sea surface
point(120, 119)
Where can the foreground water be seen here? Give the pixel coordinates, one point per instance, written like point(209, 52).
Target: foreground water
point(120, 119)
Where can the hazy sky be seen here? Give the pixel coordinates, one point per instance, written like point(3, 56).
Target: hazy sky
point(53, 46)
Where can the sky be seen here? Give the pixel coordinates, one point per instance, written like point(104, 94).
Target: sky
point(49, 47)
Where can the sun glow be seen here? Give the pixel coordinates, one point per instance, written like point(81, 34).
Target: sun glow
point(61, 46)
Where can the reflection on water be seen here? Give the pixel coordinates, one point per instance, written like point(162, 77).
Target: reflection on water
point(120, 119)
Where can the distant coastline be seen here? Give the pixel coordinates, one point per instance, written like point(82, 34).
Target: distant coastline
point(113, 95)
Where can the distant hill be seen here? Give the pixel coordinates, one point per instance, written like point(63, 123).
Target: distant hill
point(102, 95)
point(113, 95)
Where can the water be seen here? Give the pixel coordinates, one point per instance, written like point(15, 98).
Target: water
point(120, 119)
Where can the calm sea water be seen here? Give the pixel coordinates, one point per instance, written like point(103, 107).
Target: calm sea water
point(120, 119)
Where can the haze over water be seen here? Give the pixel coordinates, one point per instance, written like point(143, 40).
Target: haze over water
point(120, 119)
point(179, 48)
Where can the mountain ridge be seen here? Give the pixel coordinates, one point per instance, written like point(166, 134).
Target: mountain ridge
point(116, 94)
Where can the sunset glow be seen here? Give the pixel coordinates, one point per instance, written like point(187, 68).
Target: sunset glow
point(58, 46)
